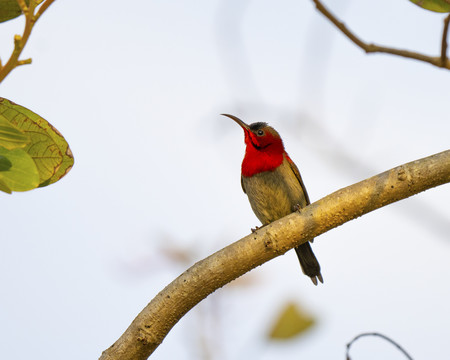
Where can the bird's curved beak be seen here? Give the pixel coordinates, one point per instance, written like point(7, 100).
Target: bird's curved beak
point(239, 121)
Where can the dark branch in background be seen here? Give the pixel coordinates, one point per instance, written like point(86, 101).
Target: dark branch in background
point(151, 326)
point(439, 61)
point(444, 41)
point(381, 336)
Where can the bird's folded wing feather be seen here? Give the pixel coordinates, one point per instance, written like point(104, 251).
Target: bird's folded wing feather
point(242, 184)
point(298, 176)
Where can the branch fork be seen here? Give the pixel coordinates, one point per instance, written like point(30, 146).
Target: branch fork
point(21, 40)
point(439, 61)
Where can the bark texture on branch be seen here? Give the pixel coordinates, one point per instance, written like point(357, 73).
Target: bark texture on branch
point(149, 328)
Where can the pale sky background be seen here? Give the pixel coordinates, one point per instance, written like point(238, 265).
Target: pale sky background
point(137, 89)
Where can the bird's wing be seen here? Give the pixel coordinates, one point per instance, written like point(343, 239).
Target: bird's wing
point(242, 184)
point(298, 176)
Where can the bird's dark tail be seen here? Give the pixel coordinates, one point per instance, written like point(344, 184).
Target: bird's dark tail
point(308, 262)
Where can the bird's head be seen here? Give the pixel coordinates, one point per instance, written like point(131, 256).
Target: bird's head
point(260, 136)
point(264, 148)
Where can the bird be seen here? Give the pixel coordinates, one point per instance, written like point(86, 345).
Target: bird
point(273, 184)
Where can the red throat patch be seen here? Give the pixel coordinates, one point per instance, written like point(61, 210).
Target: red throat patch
point(263, 155)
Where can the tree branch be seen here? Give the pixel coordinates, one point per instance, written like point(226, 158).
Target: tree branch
point(42, 9)
point(21, 41)
point(149, 328)
point(384, 337)
point(444, 41)
point(439, 61)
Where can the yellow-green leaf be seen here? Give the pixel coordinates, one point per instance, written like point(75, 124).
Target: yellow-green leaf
point(5, 163)
point(291, 322)
point(10, 136)
point(4, 187)
point(22, 175)
point(47, 146)
point(9, 9)
point(441, 6)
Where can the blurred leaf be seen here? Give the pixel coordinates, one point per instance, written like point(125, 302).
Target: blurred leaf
point(10, 136)
point(47, 147)
point(291, 322)
point(441, 6)
point(5, 164)
point(22, 174)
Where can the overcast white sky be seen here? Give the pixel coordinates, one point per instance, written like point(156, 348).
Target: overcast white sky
point(137, 89)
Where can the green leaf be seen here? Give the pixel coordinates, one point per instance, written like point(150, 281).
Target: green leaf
point(10, 9)
point(291, 322)
point(22, 175)
point(47, 146)
point(5, 164)
point(440, 6)
point(4, 187)
point(10, 136)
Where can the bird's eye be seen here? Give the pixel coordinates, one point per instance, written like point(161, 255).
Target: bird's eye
point(260, 133)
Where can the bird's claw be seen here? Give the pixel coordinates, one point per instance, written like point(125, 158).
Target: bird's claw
point(255, 229)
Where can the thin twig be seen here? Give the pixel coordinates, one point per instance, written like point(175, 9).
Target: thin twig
point(373, 48)
point(381, 336)
point(23, 5)
point(21, 40)
point(444, 41)
point(24, 62)
point(42, 9)
point(31, 8)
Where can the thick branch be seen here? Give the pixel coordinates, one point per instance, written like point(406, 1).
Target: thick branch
point(439, 61)
point(150, 327)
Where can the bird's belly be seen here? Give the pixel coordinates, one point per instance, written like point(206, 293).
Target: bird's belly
point(272, 195)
